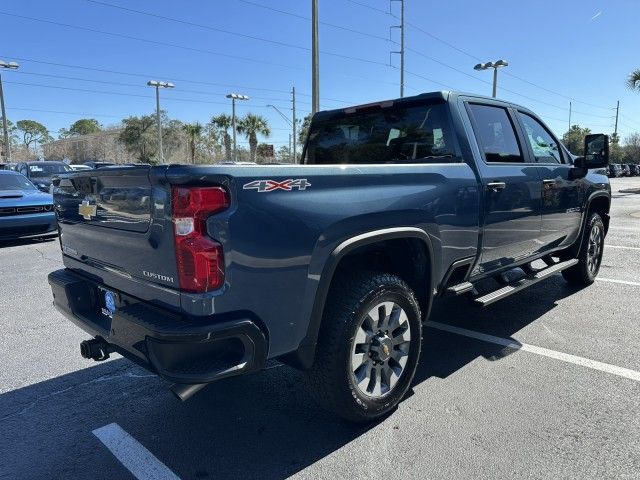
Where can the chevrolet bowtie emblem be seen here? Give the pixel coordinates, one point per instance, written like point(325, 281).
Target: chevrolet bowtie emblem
point(87, 210)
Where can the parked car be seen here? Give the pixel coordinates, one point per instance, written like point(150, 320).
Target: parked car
point(332, 266)
point(625, 170)
point(79, 167)
point(95, 165)
point(25, 211)
point(615, 170)
point(634, 170)
point(41, 172)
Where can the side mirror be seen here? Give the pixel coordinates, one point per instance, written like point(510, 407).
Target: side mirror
point(596, 151)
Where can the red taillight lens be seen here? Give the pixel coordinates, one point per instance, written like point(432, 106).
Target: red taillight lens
point(199, 258)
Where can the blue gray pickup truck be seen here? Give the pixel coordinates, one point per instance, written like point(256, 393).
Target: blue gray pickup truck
point(203, 272)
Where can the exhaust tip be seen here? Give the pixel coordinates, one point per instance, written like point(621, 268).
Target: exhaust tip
point(184, 392)
point(95, 349)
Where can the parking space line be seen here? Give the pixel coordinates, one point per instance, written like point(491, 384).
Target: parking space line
point(545, 352)
point(623, 282)
point(137, 459)
point(621, 246)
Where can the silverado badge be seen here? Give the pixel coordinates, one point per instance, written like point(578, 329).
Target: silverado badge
point(87, 210)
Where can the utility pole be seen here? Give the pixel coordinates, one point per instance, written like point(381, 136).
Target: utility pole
point(315, 67)
point(401, 51)
point(617, 112)
point(569, 117)
point(5, 128)
point(234, 97)
point(293, 109)
point(158, 86)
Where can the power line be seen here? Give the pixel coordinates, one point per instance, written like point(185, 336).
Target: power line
point(103, 92)
point(302, 17)
point(371, 7)
point(81, 114)
point(475, 57)
point(229, 32)
point(135, 85)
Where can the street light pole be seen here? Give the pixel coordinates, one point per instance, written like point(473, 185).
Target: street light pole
point(495, 65)
point(158, 86)
point(293, 110)
point(234, 97)
point(5, 128)
point(291, 124)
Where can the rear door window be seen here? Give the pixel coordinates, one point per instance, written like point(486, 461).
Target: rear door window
point(414, 133)
point(495, 134)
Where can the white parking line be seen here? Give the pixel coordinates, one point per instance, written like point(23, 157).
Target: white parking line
point(137, 459)
point(623, 282)
point(620, 246)
point(564, 357)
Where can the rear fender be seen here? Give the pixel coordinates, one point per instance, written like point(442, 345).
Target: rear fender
point(304, 356)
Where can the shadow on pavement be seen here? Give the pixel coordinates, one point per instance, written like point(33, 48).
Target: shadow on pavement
point(259, 426)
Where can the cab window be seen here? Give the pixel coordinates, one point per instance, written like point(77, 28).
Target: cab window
point(495, 133)
point(545, 148)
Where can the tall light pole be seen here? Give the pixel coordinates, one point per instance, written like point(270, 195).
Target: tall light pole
point(234, 97)
point(5, 129)
point(495, 65)
point(158, 86)
point(315, 65)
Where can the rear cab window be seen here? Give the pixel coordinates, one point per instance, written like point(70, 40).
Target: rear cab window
point(384, 134)
point(495, 133)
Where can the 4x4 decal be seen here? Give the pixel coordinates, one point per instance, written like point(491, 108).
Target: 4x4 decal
point(263, 186)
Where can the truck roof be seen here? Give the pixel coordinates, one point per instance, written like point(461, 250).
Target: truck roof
point(444, 95)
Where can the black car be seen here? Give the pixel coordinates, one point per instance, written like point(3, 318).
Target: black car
point(41, 172)
point(99, 164)
point(634, 170)
point(615, 170)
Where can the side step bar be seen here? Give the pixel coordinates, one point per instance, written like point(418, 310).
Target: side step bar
point(460, 288)
point(523, 283)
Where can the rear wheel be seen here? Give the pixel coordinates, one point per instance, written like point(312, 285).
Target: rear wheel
point(590, 256)
point(368, 347)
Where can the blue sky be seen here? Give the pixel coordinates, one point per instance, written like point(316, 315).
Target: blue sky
point(571, 49)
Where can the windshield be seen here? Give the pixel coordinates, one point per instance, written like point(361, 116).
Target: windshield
point(15, 182)
point(47, 169)
point(398, 134)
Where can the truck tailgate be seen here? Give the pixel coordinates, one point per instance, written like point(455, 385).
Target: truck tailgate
point(116, 223)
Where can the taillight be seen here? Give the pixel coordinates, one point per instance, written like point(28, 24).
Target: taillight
point(199, 258)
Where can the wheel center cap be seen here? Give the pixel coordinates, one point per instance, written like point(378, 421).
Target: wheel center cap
point(382, 347)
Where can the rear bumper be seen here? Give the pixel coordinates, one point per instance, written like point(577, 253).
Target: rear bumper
point(165, 343)
point(25, 226)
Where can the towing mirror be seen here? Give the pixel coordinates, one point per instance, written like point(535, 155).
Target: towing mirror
point(596, 151)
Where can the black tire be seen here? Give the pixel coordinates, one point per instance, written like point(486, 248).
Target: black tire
point(332, 378)
point(590, 256)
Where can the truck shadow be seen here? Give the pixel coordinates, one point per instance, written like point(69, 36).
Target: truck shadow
point(26, 241)
point(259, 426)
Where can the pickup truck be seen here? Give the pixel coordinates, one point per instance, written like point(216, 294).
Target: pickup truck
point(202, 272)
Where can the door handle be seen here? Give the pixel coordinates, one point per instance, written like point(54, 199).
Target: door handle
point(496, 186)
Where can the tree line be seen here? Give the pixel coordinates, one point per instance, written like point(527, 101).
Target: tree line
point(135, 140)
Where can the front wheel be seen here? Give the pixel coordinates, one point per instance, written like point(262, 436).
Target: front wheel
point(590, 256)
point(368, 347)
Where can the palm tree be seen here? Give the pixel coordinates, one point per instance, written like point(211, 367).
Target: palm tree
point(222, 123)
point(251, 126)
point(194, 132)
point(633, 82)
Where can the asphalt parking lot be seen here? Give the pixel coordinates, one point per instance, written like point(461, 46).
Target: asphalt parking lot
point(545, 384)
